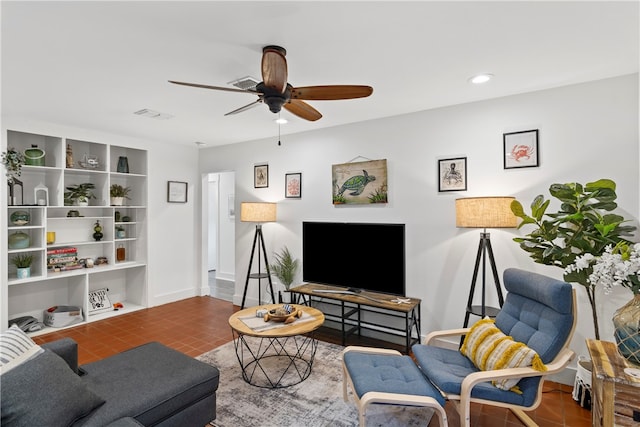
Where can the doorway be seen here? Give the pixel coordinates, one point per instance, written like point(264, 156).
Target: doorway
point(220, 235)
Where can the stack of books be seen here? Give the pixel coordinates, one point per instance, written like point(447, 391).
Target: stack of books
point(63, 259)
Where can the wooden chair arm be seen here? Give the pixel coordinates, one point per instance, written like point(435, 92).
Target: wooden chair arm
point(558, 364)
point(445, 333)
point(371, 350)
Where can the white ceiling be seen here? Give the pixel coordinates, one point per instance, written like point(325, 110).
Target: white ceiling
point(93, 64)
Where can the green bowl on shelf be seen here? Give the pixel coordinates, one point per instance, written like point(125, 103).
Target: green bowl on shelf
point(20, 218)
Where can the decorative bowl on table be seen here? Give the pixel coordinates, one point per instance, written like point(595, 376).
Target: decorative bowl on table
point(287, 314)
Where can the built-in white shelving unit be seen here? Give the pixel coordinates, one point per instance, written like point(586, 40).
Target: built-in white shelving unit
point(122, 227)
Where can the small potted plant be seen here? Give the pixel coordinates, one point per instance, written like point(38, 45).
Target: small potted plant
point(118, 193)
point(284, 268)
point(23, 265)
point(13, 161)
point(79, 195)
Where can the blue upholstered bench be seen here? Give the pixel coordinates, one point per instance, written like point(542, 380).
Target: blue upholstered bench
point(385, 376)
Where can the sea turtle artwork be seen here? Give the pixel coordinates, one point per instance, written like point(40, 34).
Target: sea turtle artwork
point(359, 183)
point(356, 183)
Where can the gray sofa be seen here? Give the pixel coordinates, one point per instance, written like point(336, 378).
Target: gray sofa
point(150, 385)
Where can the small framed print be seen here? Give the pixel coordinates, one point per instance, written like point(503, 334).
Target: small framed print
point(452, 174)
point(176, 192)
point(521, 149)
point(261, 176)
point(293, 185)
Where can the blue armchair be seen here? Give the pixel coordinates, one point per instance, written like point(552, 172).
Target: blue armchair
point(538, 311)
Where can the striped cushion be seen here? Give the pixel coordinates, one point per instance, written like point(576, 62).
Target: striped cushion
point(488, 348)
point(16, 348)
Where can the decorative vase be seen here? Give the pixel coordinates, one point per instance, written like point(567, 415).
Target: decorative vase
point(97, 235)
point(20, 218)
point(34, 156)
point(117, 201)
point(23, 273)
point(123, 164)
point(82, 202)
point(19, 240)
point(626, 321)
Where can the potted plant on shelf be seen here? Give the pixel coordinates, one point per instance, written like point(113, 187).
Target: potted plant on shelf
point(23, 265)
point(284, 268)
point(118, 193)
point(13, 161)
point(79, 195)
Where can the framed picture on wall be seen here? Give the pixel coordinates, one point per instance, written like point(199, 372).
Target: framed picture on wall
point(261, 176)
point(521, 149)
point(176, 192)
point(452, 174)
point(293, 185)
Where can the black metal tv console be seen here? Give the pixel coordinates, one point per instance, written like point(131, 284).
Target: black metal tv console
point(352, 306)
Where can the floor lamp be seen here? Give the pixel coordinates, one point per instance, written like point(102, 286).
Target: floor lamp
point(484, 212)
point(258, 212)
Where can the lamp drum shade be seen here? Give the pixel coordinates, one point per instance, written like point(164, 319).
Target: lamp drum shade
point(485, 212)
point(257, 212)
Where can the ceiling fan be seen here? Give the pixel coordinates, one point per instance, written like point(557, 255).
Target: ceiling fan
point(276, 92)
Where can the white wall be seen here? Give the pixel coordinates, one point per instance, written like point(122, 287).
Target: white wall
point(587, 131)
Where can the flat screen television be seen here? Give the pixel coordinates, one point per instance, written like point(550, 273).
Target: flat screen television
point(361, 256)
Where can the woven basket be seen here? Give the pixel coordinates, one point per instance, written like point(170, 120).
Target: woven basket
point(582, 385)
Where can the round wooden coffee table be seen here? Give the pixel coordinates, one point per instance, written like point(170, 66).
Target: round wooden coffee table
point(274, 354)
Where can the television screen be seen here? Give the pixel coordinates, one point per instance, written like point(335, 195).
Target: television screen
point(363, 256)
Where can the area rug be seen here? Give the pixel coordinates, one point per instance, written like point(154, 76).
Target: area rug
point(315, 402)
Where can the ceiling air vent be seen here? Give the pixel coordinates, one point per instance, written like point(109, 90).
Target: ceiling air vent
point(245, 83)
point(153, 114)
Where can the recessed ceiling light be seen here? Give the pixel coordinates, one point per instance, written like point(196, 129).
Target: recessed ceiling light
point(481, 78)
point(281, 120)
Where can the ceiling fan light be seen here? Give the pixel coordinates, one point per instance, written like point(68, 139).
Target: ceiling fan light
point(281, 120)
point(481, 78)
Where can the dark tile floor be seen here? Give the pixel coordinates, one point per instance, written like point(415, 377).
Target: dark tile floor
point(199, 324)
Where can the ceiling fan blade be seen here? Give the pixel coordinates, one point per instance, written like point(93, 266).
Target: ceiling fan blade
point(245, 108)
point(228, 89)
point(302, 109)
point(274, 68)
point(327, 93)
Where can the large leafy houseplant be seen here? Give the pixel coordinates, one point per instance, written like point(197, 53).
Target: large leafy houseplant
point(581, 226)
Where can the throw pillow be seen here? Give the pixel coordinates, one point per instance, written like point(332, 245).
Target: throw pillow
point(16, 348)
point(44, 391)
point(490, 349)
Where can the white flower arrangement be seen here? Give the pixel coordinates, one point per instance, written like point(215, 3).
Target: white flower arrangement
point(617, 266)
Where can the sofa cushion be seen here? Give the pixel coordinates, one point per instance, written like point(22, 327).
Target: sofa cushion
point(44, 391)
point(488, 348)
point(150, 383)
point(16, 348)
